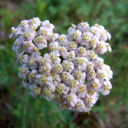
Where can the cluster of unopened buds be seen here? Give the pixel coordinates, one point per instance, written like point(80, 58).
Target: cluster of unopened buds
point(63, 68)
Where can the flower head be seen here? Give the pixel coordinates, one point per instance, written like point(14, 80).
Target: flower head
point(63, 68)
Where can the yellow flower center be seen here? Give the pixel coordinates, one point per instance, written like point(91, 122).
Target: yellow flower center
point(86, 37)
point(63, 49)
point(71, 55)
point(102, 75)
point(67, 66)
point(58, 68)
point(52, 48)
point(39, 39)
point(47, 25)
point(22, 23)
point(73, 83)
point(100, 46)
point(53, 57)
point(75, 35)
point(43, 79)
point(90, 92)
point(100, 63)
point(37, 90)
point(79, 75)
point(45, 69)
point(72, 45)
point(92, 73)
point(47, 92)
point(27, 45)
point(94, 85)
point(80, 61)
point(92, 43)
point(31, 75)
point(32, 21)
point(60, 89)
point(43, 61)
point(89, 99)
point(78, 105)
point(106, 88)
point(69, 98)
point(44, 32)
point(20, 57)
point(82, 51)
point(62, 39)
point(82, 89)
point(27, 34)
point(65, 77)
point(90, 66)
point(35, 49)
point(92, 54)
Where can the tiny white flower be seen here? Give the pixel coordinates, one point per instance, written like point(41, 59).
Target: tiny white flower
point(45, 32)
point(45, 68)
point(72, 46)
point(106, 87)
point(72, 29)
point(77, 35)
point(35, 22)
point(62, 89)
point(108, 47)
point(81, 63)
point(80, 106)
point(101, 47)
point(29, 34)
point(48, 25)
point(74, 84)
point(53, 46)
point(62, 39)
point(81, 52)
point(83, 26)
point(71, 55)
point(82, 91)
point(58, 68)
point(72, 99)
point(91, 100)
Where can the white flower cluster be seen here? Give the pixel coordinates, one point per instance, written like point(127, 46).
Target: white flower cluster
point(63, 68)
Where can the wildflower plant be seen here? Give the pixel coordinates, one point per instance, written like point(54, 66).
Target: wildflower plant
point(69, 72)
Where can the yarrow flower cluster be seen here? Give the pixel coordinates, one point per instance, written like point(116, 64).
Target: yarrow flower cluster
point(63, 68)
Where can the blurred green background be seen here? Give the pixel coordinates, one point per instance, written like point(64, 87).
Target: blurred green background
point(19, 110)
